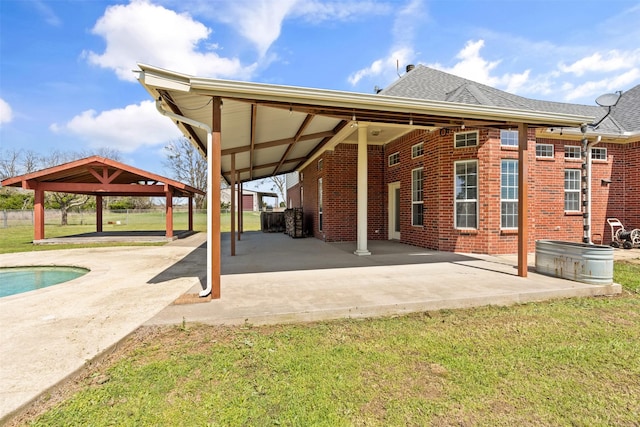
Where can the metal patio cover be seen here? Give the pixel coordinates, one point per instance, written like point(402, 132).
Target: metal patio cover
point(274, 129)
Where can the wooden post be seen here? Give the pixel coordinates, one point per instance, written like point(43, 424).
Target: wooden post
point(38, 215)
point(214, 188)
point(98, 214)
point(169, 211)
point(190, 213)
point(233, 205)
point(240, 207)
point(523, 199)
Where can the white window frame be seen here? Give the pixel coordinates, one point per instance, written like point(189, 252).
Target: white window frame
point(602, 153)
point(417, 197)
point(509, 194)
point(394, 159)
point(466, 193)
point(545, 154)
point(320, 164)
point(465, 140)
point(417, 150)
point(320, 190)
point(572, 152)
point(508, 138)
point(572, 187)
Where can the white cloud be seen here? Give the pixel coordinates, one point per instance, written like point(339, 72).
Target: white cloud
point(47, 13)
point(613, 60)
point(260, 22)
point(592, 89)
point(315, 11)
point(401, 52)
point(6, 113)
point(143, 32)
point(125, 129)
point(471, 65)
point(386, 67)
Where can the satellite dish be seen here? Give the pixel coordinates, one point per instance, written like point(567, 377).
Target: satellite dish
point(608, 99)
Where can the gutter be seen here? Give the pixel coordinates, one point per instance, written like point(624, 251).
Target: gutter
point(586, 184)
point(207, 291)
point(161, 78)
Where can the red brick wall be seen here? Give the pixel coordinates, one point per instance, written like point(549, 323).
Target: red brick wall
point(339, 181)
point(547, 219)
point(293, 196)
point(631, 191)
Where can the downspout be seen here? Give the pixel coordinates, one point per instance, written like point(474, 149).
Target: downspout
point(205, 292)
point(586, 185)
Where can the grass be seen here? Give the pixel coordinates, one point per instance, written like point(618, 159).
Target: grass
point(19, 238)
point(564, 362)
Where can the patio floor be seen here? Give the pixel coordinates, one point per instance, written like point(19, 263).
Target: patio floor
point(274, 279)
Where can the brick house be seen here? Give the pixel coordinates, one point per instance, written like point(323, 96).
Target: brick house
point(432, 160)
point(455, 188)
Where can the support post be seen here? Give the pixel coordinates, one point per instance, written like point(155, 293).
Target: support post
point(38, 215)
point(98, 214)
point(523, 199)
point(190, 213)
point(240, 207)
point(213, 192)
point(169, 215)
point(233, 205)
point(362, 183)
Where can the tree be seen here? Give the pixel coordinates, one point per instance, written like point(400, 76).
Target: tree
point(17, 162)
point(188, 166)
point(278, 184)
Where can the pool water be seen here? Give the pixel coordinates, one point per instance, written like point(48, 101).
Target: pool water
point(16, 280)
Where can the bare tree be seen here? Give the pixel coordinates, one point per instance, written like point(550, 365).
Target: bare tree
point(10, 163)
point(278, 184)
point(187, 166)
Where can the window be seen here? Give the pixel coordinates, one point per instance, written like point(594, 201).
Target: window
point(394, 159)
point(598, 153)
point(320, 164)
point(466, 194)
point(320, 204)
point(417, 204)
point(572, 152)
point(466, 139)
point(509, 194)
point(509, 138)
point(417, 150)
point(544, 150)
point(572, 190)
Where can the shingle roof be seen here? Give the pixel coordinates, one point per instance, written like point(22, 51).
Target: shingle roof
point(428, 83)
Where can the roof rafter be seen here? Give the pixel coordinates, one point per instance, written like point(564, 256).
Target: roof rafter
point(296, 138)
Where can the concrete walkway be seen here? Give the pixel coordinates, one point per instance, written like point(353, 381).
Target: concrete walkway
point(50, 333)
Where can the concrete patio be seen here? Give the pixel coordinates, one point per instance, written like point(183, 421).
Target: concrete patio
point(50, 333)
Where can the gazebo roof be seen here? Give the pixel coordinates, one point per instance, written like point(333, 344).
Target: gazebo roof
point(101, 176)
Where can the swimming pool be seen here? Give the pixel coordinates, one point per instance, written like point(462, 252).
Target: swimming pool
point(16, 280)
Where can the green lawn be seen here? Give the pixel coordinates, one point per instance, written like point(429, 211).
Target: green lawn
point(564, 362)
point(19, 238)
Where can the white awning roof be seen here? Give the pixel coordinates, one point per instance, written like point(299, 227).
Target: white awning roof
point(274, 129)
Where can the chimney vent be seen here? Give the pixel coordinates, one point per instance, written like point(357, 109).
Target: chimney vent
point(410, 67)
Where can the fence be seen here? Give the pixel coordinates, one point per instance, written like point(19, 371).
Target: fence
point(131, 217)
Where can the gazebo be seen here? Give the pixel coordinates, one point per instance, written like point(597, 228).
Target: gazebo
point(99, 177)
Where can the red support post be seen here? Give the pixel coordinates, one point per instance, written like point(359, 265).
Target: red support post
point(98, 214)
point(169, 215)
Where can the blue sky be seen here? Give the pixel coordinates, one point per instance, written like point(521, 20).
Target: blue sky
point(66, 79)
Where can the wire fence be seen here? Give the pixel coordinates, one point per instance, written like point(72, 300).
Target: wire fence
point(126, 218)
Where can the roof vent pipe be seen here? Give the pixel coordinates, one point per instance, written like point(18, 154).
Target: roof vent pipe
point(410, 67)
